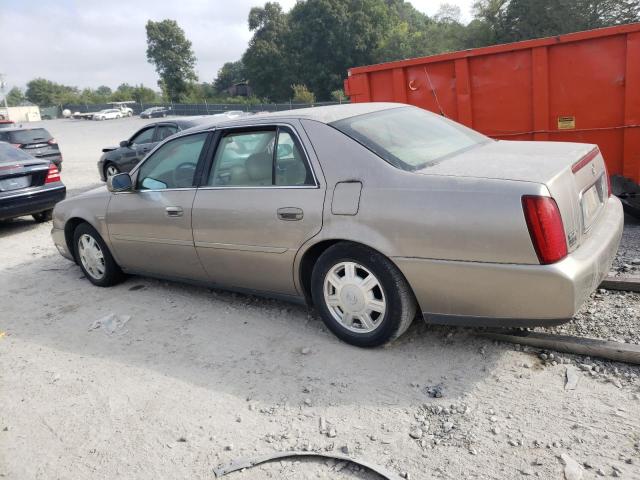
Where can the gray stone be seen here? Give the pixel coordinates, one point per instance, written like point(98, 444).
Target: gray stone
point(572, 469)
point(415, 433)
point(571, 378)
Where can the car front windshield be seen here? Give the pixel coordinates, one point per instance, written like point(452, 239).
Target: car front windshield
point(408, 137)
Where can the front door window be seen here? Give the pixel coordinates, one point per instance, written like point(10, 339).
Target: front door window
point(173, 165)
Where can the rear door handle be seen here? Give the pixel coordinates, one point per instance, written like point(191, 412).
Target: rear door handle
point(290, 214)
point(174, 211)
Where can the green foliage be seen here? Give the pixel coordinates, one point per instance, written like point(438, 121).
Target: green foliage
point(170, 51)
point(15, 97)
point(338, 96)
point(230, 74)
point(301, 94)
point(139, 93)
point(514, 20)
point(45, 92)
point(267, 65)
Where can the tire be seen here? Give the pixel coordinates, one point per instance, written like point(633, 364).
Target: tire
point(391, 296)
point(102, 273)
point(42, 217)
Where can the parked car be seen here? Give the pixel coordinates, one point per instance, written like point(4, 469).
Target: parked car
point(155, 112)
point(371, 212)
point(6, 123)
point(28, 185)
point(36, 141)
point(108, 114)
point(126, 156)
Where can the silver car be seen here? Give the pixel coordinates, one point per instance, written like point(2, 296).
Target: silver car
point(370, 212)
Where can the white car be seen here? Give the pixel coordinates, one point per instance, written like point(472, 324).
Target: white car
point(107, 114)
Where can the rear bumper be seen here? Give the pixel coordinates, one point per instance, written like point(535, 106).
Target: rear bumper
point(492, 294)
point(31, 201)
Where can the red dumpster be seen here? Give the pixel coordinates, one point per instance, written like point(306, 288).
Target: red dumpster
point(579, 87)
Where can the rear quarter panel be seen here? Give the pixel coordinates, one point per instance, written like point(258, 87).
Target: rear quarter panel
point(404, 214)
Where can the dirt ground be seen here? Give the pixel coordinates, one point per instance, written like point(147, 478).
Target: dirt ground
point(196, 378)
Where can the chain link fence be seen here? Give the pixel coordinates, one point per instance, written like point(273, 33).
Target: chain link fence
point(188, 109)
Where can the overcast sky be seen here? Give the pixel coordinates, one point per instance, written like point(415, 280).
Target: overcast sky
point(88, 43)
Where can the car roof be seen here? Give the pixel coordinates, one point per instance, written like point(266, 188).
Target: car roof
point(21, 128)
point(325, 114)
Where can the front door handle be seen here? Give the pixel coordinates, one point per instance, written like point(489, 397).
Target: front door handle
point(290, 214)
point(174, 211)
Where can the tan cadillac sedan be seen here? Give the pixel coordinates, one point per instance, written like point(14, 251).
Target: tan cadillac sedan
point(370, 212)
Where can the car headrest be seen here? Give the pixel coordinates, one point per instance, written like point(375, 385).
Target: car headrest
point(259, 167)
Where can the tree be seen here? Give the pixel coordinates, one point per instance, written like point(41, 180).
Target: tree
point(326, 37)
point(138, 93)
point(267, 66)
point(301, 94)
point(170, 51)
point(46, 93)
point(230, 74)
point(338, 95)
point(15, 97)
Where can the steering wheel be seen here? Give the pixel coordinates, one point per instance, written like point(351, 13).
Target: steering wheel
point(183, 175)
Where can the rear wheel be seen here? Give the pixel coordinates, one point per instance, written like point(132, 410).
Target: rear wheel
point(42, 217)
point(362, 297)
point(94, 257)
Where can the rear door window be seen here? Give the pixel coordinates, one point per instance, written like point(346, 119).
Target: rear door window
point(165, 131)
point(260, 158)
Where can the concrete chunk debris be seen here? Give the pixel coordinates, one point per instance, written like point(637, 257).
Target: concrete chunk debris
point(571, 378)
point(111, 324)
point(572, 469)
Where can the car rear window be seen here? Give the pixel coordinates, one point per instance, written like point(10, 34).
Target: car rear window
point(408, 137)
point(31, 135)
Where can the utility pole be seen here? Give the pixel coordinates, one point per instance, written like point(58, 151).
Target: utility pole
point(4, 95)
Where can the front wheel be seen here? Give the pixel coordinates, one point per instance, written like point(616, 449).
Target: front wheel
point(94, 257)
point(111, 170)
point(362, 297)
point(42, 217)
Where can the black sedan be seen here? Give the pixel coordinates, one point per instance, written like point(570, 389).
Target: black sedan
point(123, 158)
point(155, 112)
point(36, 141)
point(28, 185)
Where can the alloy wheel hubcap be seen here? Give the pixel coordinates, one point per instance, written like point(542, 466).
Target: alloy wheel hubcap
point(111, 171)
point(91, 256)
point(354, 297)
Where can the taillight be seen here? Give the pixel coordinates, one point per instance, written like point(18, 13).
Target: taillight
point(53, 141)
point(53, 175)
point(17, 145)
point(545, 227)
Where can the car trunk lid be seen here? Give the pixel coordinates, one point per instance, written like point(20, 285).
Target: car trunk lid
point(19, 170)
point(574, 174)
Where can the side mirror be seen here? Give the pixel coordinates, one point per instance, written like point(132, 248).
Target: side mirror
point(124, 143)
point(119, 183)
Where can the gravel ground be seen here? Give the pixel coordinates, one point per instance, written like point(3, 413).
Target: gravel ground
point(189, 378)
point(628, 259)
